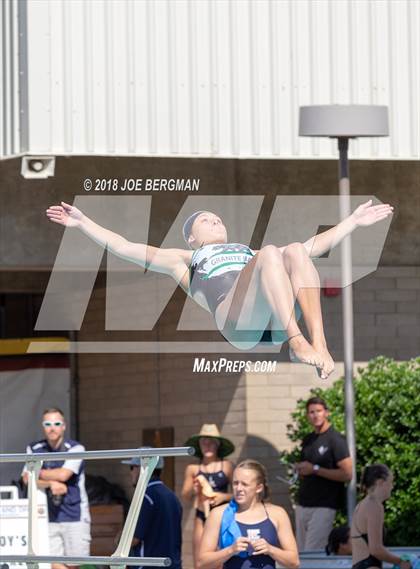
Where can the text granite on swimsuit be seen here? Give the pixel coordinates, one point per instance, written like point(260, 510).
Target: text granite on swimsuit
point(240, 258)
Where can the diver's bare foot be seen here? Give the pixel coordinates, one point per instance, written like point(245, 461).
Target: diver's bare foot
point(301, 350)
point(328, 362)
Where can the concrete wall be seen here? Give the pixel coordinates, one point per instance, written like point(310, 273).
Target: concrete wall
point(27, 241)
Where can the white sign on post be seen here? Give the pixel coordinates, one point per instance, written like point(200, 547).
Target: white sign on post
point(14, 525)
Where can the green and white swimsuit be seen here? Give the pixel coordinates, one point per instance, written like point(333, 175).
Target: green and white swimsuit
point(214, 269)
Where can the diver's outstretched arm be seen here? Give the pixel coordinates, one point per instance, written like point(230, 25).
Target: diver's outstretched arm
point(366, 214)
point(168, 261)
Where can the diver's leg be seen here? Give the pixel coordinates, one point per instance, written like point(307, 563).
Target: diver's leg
point(306, 287)
point(263, 292)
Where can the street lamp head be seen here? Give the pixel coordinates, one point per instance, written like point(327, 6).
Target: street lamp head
point(343, 121)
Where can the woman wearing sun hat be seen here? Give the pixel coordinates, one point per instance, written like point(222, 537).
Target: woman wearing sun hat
point(209, 481)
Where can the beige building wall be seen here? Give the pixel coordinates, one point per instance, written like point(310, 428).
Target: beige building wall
point(28, 241)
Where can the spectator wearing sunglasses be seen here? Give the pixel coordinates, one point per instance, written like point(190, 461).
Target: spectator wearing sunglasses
point(64, 481)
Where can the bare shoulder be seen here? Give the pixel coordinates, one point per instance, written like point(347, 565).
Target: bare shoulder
point(178, 256)
point(228, 466)
point(373, 508)
point(277, 512)
point(178, 263)
point(185, 255)
point(216, 514)
point(192, 470)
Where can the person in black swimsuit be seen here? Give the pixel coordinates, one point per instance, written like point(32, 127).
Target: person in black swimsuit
point(367, 527)
point(248, 533)
point(212, 449)
point(259, 289)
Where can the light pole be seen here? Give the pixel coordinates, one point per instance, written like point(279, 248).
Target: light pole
point(344, 122)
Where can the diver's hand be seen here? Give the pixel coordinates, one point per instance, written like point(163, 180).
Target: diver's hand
point(65, 214)
point(368, 214)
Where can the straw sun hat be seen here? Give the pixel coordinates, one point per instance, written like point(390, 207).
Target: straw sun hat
point(211, 431)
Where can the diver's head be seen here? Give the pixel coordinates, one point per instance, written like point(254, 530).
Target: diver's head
point(203, 228)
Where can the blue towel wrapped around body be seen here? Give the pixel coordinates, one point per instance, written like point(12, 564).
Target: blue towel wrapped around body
point(229, 529)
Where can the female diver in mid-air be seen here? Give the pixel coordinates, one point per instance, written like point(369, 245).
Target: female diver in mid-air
point(247, 291)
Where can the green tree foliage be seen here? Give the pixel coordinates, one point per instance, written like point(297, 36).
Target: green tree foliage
point(387, 397)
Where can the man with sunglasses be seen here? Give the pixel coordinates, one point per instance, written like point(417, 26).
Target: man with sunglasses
point(64, 481)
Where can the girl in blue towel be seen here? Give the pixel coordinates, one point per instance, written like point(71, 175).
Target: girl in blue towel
point(248, 533)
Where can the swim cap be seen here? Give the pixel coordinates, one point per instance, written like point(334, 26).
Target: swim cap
point(186, 228)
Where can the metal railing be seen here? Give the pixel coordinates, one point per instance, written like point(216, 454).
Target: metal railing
point(148, 460)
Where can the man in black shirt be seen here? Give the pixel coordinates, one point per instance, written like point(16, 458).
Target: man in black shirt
point(324, 468)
